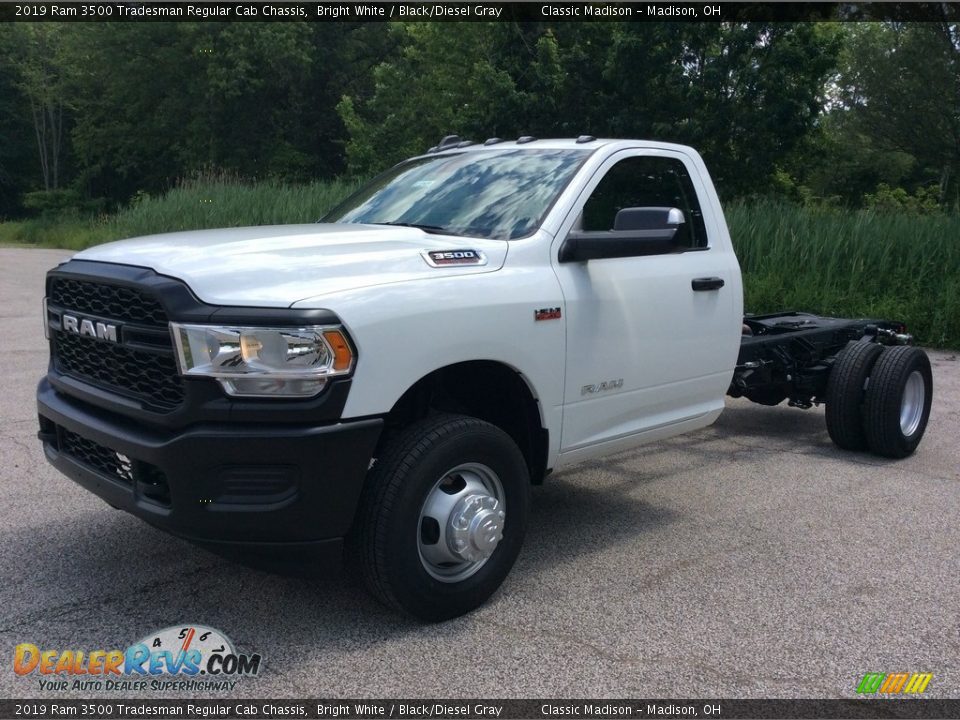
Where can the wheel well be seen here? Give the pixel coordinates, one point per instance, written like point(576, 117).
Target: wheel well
point(490, 391)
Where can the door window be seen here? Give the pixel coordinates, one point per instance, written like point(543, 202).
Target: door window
point(647, 181)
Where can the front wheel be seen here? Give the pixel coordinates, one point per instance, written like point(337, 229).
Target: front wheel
point(443, 516)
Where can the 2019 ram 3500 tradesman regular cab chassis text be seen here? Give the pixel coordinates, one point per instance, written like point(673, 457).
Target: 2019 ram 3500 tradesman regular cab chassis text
point(400, 374)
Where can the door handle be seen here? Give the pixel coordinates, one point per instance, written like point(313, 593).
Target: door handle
point(708, 283)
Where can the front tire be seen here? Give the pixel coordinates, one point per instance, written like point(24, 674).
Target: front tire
point(442, 516)
point(898, 399)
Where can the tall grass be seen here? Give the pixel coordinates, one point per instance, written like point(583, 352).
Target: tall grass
point(211, 202)
point(226, 203)
point(852, 263)
point(827, 261)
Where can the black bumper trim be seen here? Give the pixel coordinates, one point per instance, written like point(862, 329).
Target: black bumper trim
point(325, 466)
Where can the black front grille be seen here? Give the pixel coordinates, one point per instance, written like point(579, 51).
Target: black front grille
point(140, 366)
point(97, 456)
point(146, 481)
point(108, 301)
point(148, 375)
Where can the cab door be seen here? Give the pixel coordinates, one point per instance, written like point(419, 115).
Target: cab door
point(651, 340)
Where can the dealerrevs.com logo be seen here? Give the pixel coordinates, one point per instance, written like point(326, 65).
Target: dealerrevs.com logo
point(187, 657)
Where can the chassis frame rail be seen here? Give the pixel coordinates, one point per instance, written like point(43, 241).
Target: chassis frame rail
point(789, 355)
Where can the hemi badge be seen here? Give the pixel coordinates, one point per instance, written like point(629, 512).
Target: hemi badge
point(546, 314)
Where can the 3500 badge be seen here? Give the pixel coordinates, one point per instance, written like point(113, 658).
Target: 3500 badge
point(443, 258)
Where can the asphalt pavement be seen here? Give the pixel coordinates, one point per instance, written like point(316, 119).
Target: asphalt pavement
point(750, 559)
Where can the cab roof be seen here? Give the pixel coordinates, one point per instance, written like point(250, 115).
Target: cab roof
point(584, 142)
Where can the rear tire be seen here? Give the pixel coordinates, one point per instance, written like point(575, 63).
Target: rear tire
point(442, 516)
point(845, 393)
point(898, 400)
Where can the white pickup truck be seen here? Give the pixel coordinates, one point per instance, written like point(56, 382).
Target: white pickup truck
point(395, 378)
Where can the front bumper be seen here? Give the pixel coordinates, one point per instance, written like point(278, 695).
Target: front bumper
point(246, 489)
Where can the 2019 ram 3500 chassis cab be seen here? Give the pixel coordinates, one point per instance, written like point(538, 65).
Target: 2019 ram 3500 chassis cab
point(400, 374)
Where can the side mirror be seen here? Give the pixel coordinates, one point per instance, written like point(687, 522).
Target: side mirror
point(636, 232)
point(648, 218)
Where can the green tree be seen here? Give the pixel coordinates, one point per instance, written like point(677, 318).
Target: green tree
point(253, 99)
point(901, 89)
point(840, 163)
point(19, 169)
point(35, 53)
point(136, 92)
point(444, 78)
point(744, 94)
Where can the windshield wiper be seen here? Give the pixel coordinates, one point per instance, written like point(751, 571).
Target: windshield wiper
point(433, 229)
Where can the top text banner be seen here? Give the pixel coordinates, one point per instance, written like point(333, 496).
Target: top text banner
point(200, 11)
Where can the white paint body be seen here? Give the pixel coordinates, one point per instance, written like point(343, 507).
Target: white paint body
point(635, 319)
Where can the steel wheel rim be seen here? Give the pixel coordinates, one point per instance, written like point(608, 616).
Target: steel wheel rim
point(467, 505)
point(912, 403)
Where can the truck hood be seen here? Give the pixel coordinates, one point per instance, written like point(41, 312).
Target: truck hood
point(275, 266)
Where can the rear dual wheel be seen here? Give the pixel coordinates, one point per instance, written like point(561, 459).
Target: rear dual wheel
point(879, 399)
point(846, 387)
point(897, 403)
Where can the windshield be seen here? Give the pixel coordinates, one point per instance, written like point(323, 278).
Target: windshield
point(501, 194)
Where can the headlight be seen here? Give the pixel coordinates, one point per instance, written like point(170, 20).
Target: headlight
point(264, 362)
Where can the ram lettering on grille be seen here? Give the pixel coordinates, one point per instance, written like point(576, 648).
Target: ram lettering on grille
point(102, 331)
